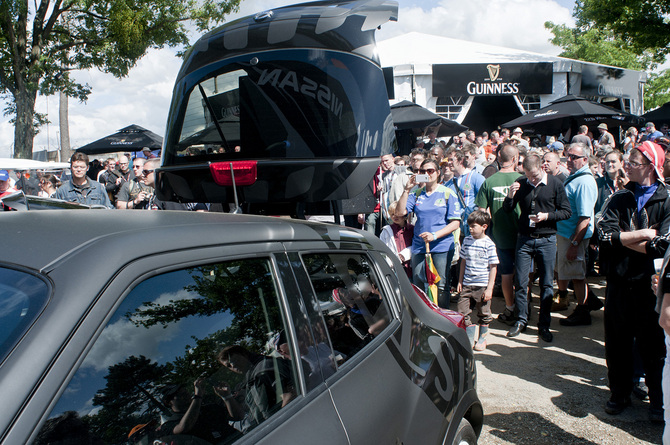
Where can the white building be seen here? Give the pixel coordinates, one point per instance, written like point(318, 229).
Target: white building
point(482, 86)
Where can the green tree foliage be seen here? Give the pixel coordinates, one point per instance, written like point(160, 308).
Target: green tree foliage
point(643, 24)
point(627, 34)
point(41, 42)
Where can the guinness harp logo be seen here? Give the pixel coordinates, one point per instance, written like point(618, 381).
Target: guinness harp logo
point(494, 72)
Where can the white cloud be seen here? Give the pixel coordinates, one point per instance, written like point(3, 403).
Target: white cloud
point(122, 339)
point(143, 98)
point(515, 24)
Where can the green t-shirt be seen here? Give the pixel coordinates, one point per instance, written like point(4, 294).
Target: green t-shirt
point(491, 195)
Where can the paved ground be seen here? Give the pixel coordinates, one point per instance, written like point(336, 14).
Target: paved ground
point(554, 393)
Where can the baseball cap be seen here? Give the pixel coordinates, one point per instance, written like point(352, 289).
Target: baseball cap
point(556, 146)
point(4, 175)
point(517, 130)
point(655, 154)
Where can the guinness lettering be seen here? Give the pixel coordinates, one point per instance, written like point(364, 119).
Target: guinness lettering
point(609, 90)
point(499, 79)
point(477, 89)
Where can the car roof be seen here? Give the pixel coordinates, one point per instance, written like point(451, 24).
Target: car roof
point(42, 240)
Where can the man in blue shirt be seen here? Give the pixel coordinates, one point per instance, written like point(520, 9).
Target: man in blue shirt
point(574, 233)
point(81, 188)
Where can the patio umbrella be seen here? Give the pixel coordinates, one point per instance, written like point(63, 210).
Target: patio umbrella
point(130, 138)
point(569, 112)
point(658, 116)
point(408, 115)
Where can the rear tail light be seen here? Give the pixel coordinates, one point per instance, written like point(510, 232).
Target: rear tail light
point(244, 172)
point(453, 316)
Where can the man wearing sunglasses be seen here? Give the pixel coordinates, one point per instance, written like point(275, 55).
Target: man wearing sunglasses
point(633, 230)
point(153, 203)
point(574, 235)
point(134, 194)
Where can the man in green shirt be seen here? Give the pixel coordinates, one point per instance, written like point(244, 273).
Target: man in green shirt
point(505, 225)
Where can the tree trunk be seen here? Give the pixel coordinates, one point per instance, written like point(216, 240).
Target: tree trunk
point(64, 123)
point(24, 131)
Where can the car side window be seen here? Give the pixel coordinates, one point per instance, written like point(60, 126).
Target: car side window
point(197, 356)
point(22, 298)
point(351, 301)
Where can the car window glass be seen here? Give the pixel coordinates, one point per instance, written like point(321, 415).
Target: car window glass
point(22, 297)
point(351, 301)
point(196, 356)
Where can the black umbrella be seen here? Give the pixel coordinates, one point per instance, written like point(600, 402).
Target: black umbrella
point(408, 115)
point(568, 112)
point(658, 116)
point(131, 138)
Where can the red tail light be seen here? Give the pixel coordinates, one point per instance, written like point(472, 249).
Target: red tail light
point(453, 316)
point(245, 172)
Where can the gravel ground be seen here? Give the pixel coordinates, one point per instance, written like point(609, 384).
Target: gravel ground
point(554, 393)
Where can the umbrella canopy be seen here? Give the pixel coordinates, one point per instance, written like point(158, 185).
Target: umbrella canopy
point(408, 115)
point(658, 116)
point(29, 164)
point(568, 112)
point(131, 138)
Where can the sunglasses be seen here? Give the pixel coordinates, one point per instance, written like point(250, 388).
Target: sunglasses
point(636, 164)
point(573, 157)
point(430, 171)
point(146, 172)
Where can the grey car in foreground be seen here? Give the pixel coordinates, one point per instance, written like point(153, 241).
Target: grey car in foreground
point(194, 328)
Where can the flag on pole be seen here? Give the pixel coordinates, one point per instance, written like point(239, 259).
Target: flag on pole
point(432, 277)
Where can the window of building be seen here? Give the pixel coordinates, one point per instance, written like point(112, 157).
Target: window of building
point(197, 355)
point(530, 103)
point(450, 106)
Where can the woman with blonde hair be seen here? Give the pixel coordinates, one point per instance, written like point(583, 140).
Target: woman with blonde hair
point(631, 139)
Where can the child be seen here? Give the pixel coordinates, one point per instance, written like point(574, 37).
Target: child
point(478, 272)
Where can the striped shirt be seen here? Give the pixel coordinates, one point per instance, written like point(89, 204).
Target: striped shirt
point(478, 254)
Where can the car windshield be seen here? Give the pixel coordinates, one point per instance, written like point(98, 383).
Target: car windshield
point(22, 297)
point(279, 104)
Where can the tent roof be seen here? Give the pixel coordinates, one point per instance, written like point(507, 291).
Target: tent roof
point(419, 48)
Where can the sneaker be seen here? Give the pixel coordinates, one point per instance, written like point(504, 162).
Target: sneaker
point(560, 302)
point(480, 345)
point(580, 317)
point(616, 406)
point(640, 390)
point(507, 317)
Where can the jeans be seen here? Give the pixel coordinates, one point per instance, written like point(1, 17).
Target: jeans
point(666, 394)
point(442, 261)
point(543, 251)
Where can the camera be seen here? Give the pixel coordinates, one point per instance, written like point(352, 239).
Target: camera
point(422, 178)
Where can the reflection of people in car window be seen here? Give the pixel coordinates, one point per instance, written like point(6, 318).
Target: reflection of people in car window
point(191, 417)
point(264, 378)
point(367, 316)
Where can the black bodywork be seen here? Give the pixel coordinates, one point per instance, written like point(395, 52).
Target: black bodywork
point(298, 90)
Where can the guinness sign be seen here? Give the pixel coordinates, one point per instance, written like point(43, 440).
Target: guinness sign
point(492, 79)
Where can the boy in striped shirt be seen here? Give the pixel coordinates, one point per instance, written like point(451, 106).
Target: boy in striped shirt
point(479, 262)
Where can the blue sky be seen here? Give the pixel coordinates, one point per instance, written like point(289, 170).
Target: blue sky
point(144, 96)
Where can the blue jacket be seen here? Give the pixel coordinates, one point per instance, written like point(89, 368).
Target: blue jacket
point(92, 193)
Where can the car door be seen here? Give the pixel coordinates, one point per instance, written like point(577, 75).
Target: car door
point(161, 339)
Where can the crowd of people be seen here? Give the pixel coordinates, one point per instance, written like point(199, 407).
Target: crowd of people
point(499, 210)
point(504, 208)
point(124, 183)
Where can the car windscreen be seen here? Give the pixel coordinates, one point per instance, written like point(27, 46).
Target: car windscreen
point(22, 298)
point(282, 104)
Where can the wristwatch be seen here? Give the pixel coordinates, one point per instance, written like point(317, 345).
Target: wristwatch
point(574, 243)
